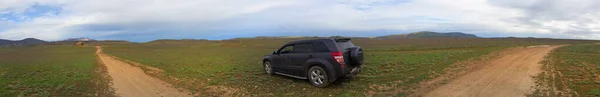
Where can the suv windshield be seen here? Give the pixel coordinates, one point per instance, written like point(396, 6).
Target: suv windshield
point(344, 45)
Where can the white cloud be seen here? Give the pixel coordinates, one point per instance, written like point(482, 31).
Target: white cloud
point(169, 18)
point(569, 19)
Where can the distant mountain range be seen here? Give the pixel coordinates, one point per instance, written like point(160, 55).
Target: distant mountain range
point(429, 34)
point(421, 34)
point(78, 39)
point(24, 42)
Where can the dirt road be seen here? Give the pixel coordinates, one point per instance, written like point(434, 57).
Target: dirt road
point(131, 81)
point(509, 75)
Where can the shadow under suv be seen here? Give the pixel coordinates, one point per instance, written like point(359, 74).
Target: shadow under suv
point(321, 61)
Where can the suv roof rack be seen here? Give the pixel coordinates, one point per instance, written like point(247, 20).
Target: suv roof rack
point(342, 39)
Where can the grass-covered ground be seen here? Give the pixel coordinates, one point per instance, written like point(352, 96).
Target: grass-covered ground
point(62, 71)
point(392, 67)
point(571, 71)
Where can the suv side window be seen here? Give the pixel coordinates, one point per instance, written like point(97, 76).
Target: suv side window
point(287, 49)
point(303, 48)
point(320, 47)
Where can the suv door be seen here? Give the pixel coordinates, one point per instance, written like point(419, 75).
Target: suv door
point(282, 60)
point(301, 54)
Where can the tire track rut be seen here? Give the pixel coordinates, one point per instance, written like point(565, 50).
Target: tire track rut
point(131, 81)
point(507, 76)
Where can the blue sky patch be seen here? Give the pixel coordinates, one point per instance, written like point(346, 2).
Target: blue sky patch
point(36, 10)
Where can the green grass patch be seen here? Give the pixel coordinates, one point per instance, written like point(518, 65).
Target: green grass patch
point(51, 71)
point(571, 70)
point(392, 67)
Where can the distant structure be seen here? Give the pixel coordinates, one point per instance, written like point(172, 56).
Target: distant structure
point(80, 43)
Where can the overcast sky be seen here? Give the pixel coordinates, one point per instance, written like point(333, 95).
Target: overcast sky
point(144, 20)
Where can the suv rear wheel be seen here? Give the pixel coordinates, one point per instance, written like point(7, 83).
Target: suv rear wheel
point(318, 76)
point(268, 67)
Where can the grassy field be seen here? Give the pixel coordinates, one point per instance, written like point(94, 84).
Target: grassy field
point(392, 67)
point(63, 71)
point(571, 71)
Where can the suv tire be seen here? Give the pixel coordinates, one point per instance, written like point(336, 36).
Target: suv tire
point(318, 76)
point(268, 67)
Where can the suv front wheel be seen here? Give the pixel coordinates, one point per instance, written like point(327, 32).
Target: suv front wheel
point(318, 76)
point(268, 67)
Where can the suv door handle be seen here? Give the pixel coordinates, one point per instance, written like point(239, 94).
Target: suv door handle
point(310, 56)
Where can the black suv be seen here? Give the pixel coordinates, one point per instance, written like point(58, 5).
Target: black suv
point(321, 61)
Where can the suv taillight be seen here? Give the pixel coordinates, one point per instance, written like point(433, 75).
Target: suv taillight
point(339, 57)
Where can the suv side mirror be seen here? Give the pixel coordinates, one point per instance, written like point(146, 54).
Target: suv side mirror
point(274, 52)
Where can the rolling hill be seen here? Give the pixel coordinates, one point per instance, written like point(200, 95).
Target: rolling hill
point(24, 42)
point(428, 34)
point(421, 34)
